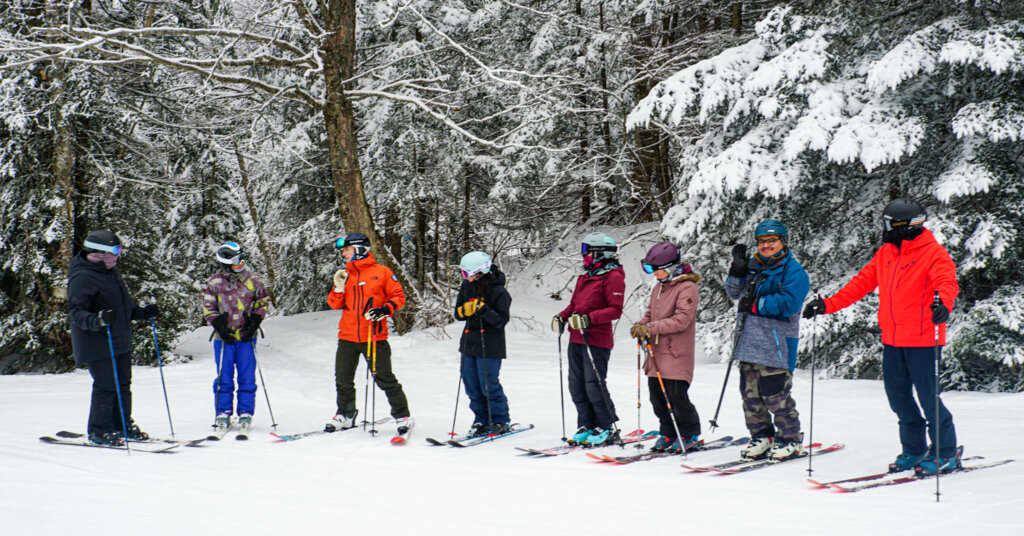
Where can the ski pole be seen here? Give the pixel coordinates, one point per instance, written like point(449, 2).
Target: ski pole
point(814, 351)
point(160, 364)
point(728, 368)
point(486, 379)
point(117, 388)
point(373, 373)
point(218, 355)
point(266, 394)
point(639, 370)
point(561, 378)
point(938, 451)
point(664, 393)
point(600, 381)
point(369, 337)
point(458, 391)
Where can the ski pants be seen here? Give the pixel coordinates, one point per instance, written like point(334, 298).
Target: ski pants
point(587, 388)
point(907, 369)
point(766, 392)
point(677, 392)
point(346, 360)
point(104, 411)
point(487, 399)
point(240, 356)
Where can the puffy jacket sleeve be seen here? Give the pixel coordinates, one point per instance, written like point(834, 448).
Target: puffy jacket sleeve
point(79, 304)
point(865, 281)
point(734, 286)
point(210, 309)
point(260, 297)
point(788, 301)
point(942, 276)
point(614, 289)
point(683, 315)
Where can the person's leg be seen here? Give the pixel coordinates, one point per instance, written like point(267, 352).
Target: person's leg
point(585, 416)
point(471, 381)
point(499, 402)
point(776, 387)
point(597, 388)
point(665, 427)
point(684, 410)
point(387, 381)
point(898, 389)
point(224, 384)
point(245, 362)
point(124, 378)
point(755, 413)
point(346, 359)
point(103, 400)
point(921, 367)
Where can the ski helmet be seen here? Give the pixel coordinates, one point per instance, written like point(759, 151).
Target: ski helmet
point(599, 246)
point(230, 254)
point(475, 262)
point(661, 256)
point(359, 241)
point(905, 214)
point(102, 241)
point(769, 227)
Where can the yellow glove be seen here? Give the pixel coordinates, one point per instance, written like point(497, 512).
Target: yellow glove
point(469, 308)
point(339, 281)
point(639, 331)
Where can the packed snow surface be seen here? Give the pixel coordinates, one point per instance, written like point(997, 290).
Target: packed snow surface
point(352, 483)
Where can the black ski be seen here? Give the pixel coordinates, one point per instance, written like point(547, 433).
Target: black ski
point(719, 443)
point(64, 434)
point(165, 448)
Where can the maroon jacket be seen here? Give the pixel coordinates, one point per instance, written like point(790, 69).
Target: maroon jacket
point(600, 297)
point(671, 318)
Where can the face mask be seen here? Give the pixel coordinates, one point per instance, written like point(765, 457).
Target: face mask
point(108, 259)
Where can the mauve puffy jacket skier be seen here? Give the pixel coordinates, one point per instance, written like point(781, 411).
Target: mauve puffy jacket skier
point(600, 297)
point(906, 278)
point(670, 319)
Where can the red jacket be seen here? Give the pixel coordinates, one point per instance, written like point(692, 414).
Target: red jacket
point(366, 280)
point(600, 297)
point(906, 279)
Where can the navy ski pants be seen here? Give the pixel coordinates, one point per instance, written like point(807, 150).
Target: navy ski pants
point(908, 369)
point(229, 357)
point(586, 389)
point(480, 377)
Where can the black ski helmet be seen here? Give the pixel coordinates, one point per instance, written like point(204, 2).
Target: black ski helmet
point(102, 241)
point(903, 215)
point(230, 255)
point(357, 240)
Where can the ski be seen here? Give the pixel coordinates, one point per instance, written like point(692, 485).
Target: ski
point(868, 478)
point(163, 448)
point(480, 440)
point(746, 465)
point(243, 432)
point(64, 434)
point(847, 488)
point(720, 443)
point(281, 438)
point(219, 433)
point(402, 434)
point(636, 436)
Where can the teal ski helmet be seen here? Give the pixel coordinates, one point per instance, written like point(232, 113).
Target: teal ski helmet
point(598, 245)
point(475, 262)
point(768, 227)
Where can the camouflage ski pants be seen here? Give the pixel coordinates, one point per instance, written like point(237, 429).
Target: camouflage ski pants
point(766, 392)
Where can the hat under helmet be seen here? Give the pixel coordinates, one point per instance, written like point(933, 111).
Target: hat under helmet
point(475, 262)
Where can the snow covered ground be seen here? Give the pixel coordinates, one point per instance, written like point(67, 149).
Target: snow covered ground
point(351, 482)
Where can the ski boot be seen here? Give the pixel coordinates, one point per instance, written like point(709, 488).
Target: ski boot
point(497, 429)
point(784, 449)
point(580, 436)
point(222, 422)
point(935, 464)
point(134, 432)
point(663, 443)
point(601, 436)
point(106, 438)
point(692, 443)
point(757, 449)
point(477, 429)
point(340, 422)
point(245, 420)
point(906, 462)
point(403, 425)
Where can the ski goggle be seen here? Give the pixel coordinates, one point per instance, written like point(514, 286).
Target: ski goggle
point(483, 268)
point(651, 268)
point(890, 224)
point(116, 250)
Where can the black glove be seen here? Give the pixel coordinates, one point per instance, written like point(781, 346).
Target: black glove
point(940, 313)
point(739, 261)
point(815, 308)
point(106, 317)
point(251, 327)
point(378, 313)
point(151, 311)
point(220, 325)
point(747, 304)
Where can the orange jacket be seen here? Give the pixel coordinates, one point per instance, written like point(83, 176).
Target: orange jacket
point(906, 279)
point(366, 280)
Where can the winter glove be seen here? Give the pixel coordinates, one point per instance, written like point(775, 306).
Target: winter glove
point(106, 317)
point(579, 322)
point(739, 261)
point(748, 304)
point(378, 313)
point(151, 311)
point(339, 281)
point(470, 308)
point(557, 324)
point(816, 307)
point(639, 331)
point(220, 325)
point(251, 327)
point(940, 313)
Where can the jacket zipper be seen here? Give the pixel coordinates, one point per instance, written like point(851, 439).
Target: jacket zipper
point(892, 291)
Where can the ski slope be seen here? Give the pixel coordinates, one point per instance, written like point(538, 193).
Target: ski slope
point(352, 483)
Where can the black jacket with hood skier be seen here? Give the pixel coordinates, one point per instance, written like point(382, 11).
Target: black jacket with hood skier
point(92, 287)
point(492, 317)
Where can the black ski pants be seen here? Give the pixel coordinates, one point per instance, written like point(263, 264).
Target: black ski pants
point(346, 361)
point(678, 392)
point(104, 412)
point(586, 388)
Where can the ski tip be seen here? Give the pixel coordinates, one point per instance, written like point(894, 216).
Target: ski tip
point(242, 437)
point(397, 440)
point(816, 484)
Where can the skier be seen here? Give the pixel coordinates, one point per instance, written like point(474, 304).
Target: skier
point(669, 325)
point(234, 304)
point(98, 304)
point(367, 293)
point(596, 302)
point(907, 270)
point(484, 304)
point(770, 286)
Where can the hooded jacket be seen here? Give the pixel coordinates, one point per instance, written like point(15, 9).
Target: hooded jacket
point(670, 318)
point(491, 319)
point(366, 281)
point(600, 297)
point(92, 287)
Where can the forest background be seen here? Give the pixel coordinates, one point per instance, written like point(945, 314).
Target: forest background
point(440, 127)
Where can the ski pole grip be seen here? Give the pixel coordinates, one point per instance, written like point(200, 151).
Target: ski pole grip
point(938, 300)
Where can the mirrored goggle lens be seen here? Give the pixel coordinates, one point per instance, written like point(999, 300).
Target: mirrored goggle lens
point(584, 249)
point(339, 243)
point(648, 267)
point(116, 250)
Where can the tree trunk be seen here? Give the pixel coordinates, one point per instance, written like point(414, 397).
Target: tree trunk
point(264, 245)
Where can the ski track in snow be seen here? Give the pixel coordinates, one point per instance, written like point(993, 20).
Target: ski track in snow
point(353, 482)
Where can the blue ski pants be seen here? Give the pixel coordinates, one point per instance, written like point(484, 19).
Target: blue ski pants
point(480, 377)
point(908, 369)
point(239, 356)
point(586, 389)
